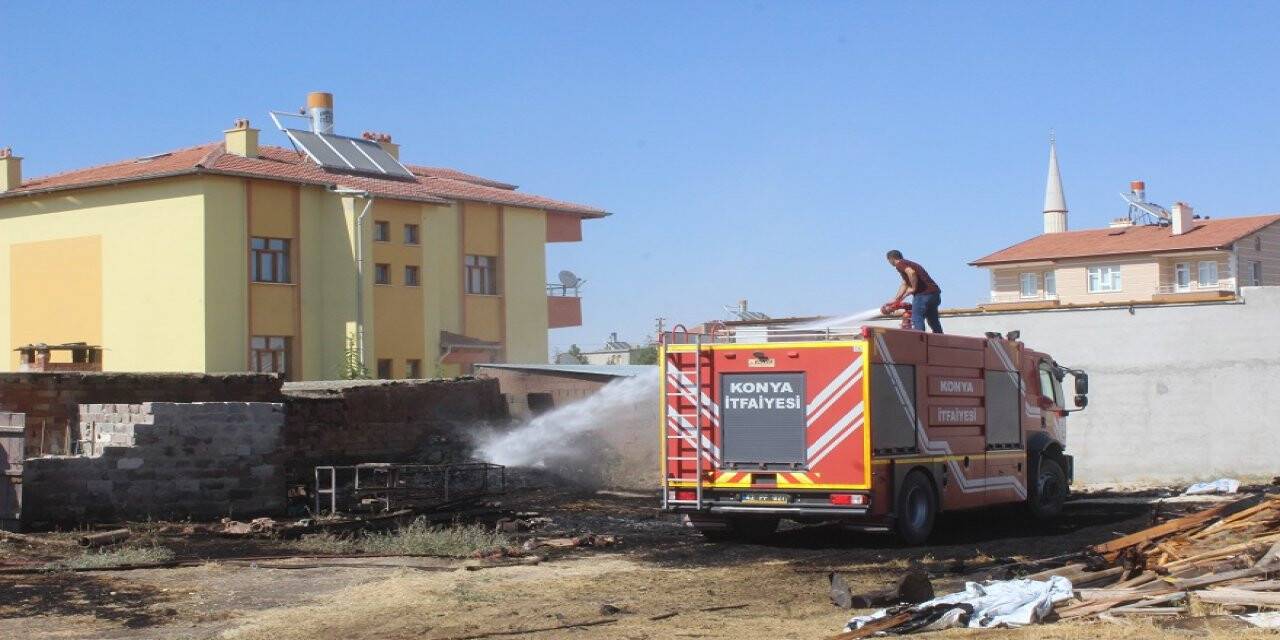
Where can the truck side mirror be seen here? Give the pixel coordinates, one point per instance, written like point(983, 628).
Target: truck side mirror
point(1082, 383)
point(1082, 401)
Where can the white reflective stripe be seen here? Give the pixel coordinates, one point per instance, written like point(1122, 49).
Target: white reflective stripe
point(831, 389)
point(928, 446)
point(707, 452)
point(707, 445)
point(841, 438)
point(976, 485)
point(836, 428)
point(710, 408)
point(835, 397)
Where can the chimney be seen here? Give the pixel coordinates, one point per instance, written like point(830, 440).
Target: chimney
point(10, 170)
point(241, 139)
point(1182, 218)
point(384, 141)
point(320, 106)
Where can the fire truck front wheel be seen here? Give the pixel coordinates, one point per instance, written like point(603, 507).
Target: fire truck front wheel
point(917, 506)
point(1049, 492)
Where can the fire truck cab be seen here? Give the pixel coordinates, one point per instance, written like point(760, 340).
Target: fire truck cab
point(880, 428)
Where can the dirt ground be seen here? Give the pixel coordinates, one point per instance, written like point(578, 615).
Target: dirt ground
point(662, 581)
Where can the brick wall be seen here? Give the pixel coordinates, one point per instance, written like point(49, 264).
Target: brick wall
point(163, 460)
point(428, 421)
point(51, 400)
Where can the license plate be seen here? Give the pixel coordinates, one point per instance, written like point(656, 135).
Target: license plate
point(765, 498)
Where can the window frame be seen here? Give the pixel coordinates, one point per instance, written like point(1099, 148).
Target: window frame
point(1029, 278)
point(482, 272)
point(413, 368)
point(1045, 371)
point(276, 353)
point(381, 231)
point(416, 280)
point(389, 365)
point(1110, 279)
point(1050, 280)
point(412, 234)
point(1255, 273)
point(1180, 270)
point(1206, 283)
point(277, 258)
point(382, 273)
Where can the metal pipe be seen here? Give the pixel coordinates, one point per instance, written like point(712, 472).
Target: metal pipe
point(359, 239)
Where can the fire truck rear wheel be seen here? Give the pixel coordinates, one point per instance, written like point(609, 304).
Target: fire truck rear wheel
point(1049, 492)
point(916, 509)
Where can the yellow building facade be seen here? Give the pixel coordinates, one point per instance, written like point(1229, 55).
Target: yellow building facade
point(240, 259)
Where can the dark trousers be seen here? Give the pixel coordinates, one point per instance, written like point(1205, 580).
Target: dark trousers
point(924, 306)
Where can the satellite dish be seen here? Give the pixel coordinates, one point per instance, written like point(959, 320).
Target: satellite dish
point(570, 280)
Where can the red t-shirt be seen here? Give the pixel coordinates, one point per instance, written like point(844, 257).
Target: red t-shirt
point(924, 283)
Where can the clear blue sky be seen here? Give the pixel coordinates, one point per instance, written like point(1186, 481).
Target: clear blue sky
point(770, 151)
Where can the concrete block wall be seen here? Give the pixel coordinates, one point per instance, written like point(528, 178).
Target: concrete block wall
point(164, 460)
point(1177, 392)
point(51, 401)
point(424, 421)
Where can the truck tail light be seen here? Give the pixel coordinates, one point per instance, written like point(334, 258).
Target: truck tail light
point(686, 494)
point(847, 499)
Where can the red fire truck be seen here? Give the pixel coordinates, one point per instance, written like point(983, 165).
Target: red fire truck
point(882, 428)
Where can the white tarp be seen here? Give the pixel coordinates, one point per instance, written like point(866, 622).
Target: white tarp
point(1005, 603)
point(1224, 485)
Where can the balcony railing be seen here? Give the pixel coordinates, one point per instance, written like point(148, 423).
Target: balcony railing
point(1223, 284)
point(1016, 296)
point(558, 290)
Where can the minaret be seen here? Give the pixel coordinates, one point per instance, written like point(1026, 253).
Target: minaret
point(1055, 203)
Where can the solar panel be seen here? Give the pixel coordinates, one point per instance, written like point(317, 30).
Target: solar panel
point(313, 146)
point(352, 155)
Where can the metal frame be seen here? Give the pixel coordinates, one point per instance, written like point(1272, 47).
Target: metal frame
point(394, 482)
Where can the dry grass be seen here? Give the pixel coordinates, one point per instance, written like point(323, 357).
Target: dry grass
point(115, 557)
point(417, 539)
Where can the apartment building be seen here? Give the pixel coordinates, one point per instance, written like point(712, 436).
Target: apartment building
point(1150, 255)
point(233, 256)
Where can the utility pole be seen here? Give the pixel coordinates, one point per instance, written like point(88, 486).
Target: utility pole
point(661, 322)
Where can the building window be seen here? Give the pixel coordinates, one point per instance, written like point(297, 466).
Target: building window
point(1104, 279)
point(482, 275)
point(1257, 243)
point(382, 273)
point(1208, 274)
point(384, 369)
point(1255, 273)
point(1030, 285)
point(269, 354)
point(1050, 284)
point(413, 369)
point(270, 259)
point(1182, 276)
point(411, 234)
point(411, 276)
point(381, 231)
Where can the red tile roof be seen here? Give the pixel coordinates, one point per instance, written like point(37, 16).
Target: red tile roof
point(1204, 234)
point(431, 184)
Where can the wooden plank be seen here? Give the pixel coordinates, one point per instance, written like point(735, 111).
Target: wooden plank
point(874, 627)
point(1177, 525)
point(1240, 597)
point(1203, 581)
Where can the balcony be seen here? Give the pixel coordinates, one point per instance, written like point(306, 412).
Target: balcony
point(1195, 291)
point(1015, 300)
point(564, 306)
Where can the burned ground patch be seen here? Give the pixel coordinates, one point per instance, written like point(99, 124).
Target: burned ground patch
point(127, 603)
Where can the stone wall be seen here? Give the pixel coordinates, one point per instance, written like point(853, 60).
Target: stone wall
point(163, 460)
point(51, 400)
point(426, 421)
